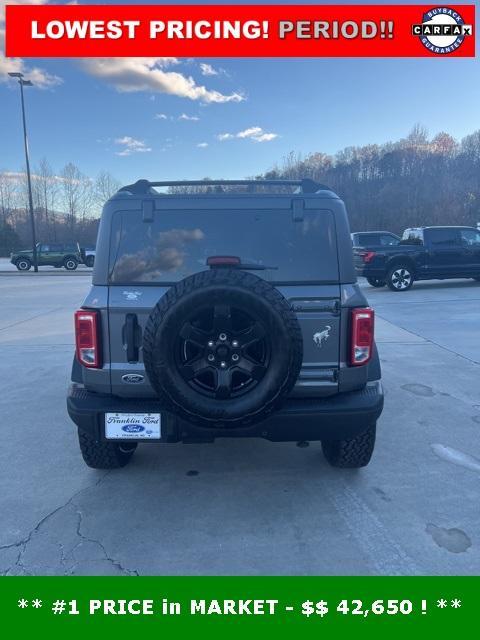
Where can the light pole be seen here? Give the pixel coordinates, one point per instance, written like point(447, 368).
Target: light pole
point(27, 83)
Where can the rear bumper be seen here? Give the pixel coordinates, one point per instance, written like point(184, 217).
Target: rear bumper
point(342, 416)
point(370, 272)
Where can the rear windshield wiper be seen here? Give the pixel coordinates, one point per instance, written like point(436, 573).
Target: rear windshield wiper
point(234, 262)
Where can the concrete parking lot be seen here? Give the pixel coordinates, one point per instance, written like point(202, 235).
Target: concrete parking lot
point(246, 507)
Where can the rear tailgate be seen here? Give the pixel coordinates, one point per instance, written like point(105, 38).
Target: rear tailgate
point(319, 317)
point(297, 254)
point(362, 257)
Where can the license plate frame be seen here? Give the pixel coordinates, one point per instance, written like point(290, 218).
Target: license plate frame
point(133, 426)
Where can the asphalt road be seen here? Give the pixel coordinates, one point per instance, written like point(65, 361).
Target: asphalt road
point(246, 507)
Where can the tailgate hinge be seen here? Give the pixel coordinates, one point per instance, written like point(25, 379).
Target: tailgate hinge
point(148, 210)
point(298, 206)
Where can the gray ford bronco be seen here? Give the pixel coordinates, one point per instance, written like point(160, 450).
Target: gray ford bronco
point(224, 309)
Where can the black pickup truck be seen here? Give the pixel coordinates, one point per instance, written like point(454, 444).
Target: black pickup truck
point(425, 253)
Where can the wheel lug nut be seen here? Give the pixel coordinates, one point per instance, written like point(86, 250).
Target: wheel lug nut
point(235, 357)
point(223, 364)
point(210, 343)
point(235, 343)
point(211, 357)
point(223, 336)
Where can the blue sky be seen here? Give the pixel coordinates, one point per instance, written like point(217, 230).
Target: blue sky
point(287, 105)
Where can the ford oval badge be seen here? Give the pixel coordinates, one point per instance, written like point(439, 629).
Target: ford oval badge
point(132, 378)
point(133, 428)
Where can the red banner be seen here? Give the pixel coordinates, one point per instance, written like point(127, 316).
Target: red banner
point(240, 30)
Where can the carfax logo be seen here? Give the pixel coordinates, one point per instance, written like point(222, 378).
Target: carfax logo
point(442, 31)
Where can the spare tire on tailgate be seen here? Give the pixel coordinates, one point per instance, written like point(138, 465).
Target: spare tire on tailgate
point(222, 348)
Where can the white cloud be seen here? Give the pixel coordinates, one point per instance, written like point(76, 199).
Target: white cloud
point(130, 145)
point(257, 134)
point(150, 74)
point(40, 78)
point(208, 70)
point(266, 137)
point(185, 117)
point(125, 74)
point(19, 176)
point(202, 145)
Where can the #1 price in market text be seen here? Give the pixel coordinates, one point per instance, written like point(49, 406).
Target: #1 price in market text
point(243, 607)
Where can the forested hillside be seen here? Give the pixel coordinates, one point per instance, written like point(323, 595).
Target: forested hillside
point(418, 180)
point(415, 181)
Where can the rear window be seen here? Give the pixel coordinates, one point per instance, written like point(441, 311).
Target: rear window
point(443, 237)
point(412, 236)
point(470, 237)
point(376, 240)
point(177, 244)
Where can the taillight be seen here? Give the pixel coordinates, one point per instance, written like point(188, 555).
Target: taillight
point(362, 323)
point(368, 256)
point(87, 325)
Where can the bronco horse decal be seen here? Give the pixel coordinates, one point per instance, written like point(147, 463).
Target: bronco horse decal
point(322, 336)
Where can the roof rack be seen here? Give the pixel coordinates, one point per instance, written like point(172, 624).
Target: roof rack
point(142, 187)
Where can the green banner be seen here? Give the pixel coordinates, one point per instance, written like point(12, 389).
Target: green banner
point(235, 606)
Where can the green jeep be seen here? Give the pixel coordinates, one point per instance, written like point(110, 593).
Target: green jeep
point(52, 255)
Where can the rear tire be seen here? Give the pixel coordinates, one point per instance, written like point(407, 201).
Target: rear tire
point(89, 261)
point(352, 453)
point(105, 455)
point(23, 264)
point(400, 278)
point(376, 282)
point(70, 264)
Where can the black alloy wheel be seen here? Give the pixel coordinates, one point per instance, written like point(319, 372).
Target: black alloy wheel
point(223, 352)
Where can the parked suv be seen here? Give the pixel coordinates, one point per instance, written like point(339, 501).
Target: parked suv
point(48, 254)
point(425, 253)
point(233, 312)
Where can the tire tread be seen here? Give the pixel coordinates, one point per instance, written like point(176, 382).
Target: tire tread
point(352, 453)
point(102, 455)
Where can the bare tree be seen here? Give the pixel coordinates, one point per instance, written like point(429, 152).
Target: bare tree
point(46, 192)
point(86, 199)
point(410, 182)
point(104, 188)
point(7, 196)
point(72, 189)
